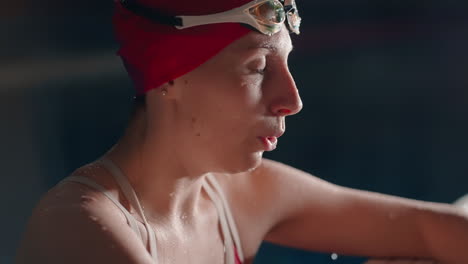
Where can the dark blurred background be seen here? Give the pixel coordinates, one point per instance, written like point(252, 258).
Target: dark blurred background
point(384, 85)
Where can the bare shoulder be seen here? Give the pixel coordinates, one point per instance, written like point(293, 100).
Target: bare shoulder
point(73, 223)
point(269, 177)
point(266, 195)
point(281, 183)
point(271, 183)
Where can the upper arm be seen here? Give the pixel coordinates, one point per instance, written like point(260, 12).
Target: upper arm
point(317, 215)
point(81, 233)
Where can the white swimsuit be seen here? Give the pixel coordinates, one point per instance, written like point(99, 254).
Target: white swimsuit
point(232, 246)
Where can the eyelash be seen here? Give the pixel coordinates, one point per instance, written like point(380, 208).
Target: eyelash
point(260, 71)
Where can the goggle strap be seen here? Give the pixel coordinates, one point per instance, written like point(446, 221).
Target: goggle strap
point(151, 13)
point(232, 16)
point(181, 22)
point(236, 15)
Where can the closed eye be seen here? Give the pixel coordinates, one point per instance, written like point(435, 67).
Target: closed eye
point(260, 71)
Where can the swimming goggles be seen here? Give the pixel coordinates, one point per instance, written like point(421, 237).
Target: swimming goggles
point(266, 16)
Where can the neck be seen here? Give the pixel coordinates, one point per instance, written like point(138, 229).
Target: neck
point(167, 188)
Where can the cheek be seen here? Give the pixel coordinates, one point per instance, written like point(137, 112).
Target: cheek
point(229, 99)
point(221, 127)
point(220, 107)
point(233, 88)
point(251, 92)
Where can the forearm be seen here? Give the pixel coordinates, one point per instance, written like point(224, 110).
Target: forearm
point(445, 232)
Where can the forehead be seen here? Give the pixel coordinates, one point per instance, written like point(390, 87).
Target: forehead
point(279, 43)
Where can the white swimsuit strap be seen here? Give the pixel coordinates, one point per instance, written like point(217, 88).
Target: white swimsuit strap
point(130, 194)
point(212, 188)
point(227, 215)
point(86, 181)
point(228, 246)
point(230, 219)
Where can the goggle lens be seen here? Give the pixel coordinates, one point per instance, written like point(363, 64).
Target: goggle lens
point(270, 12)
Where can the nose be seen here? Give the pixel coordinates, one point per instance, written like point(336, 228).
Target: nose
point(287, 100)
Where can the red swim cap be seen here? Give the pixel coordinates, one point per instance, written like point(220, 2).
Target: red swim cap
point(154, 54)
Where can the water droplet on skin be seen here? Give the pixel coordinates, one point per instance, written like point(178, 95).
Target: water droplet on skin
point(171, 194)
point(334, 256)
point(93, 218)
point(103, 228)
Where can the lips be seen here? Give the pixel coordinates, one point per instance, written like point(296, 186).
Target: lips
point(270, 142)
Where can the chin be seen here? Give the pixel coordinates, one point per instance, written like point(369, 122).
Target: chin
point(242, 163)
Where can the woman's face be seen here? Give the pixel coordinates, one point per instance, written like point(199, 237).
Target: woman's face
point(229, 110)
